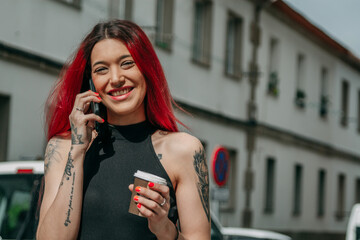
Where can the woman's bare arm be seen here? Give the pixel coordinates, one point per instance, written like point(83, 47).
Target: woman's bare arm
point(62, 200)
point(192, 193)
point(61, 206)
point(184, 159)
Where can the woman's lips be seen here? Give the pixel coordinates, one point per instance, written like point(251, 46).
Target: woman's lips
point(120, 94)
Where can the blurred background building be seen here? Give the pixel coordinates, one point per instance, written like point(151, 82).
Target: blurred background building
point(258, 78)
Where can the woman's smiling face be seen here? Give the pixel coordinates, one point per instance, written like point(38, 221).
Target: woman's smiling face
point(119, 82)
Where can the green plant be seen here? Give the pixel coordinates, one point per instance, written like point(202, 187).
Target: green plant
point(300, 98)
point(273, 84)
point(324, 102)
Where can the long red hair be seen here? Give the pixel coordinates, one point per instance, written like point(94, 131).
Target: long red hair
point(75, 74)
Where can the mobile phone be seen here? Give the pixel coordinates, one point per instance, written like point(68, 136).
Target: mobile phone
point(94, 105)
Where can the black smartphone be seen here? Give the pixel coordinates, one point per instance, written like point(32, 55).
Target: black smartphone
point(95, 108)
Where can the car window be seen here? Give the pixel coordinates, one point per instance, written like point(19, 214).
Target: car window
point(357, 233)
point(17, 206)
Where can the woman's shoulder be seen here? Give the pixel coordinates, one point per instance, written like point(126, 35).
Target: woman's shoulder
point(62, 137)
point(58, 143)
point(177, 143)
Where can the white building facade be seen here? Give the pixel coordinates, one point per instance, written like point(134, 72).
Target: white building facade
point(258, 78)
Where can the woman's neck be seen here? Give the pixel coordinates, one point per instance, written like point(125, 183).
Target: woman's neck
point(125, 120)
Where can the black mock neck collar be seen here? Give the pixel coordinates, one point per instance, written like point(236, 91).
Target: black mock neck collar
point(133, 132)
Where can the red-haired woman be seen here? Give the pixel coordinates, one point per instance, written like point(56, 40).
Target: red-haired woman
point(88, 174)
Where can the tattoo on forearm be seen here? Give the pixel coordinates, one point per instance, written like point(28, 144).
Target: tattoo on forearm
point(68, 167)
point(68, 173)
point(203, 176)
point(50, 154)
point(67, 220)
point(75, 137)
point(159, 156)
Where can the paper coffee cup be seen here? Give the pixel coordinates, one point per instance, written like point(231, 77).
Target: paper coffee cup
point(142, 179)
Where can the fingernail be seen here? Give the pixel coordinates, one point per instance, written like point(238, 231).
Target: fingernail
point(139, 205)
point(138, 189)
point(136, 198)
point(151, 184)
point(99, 98)
point(102, 120)
point(97, 93)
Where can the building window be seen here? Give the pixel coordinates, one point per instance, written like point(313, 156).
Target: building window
point(120, 9)
point(233, 46)
point(202, 32)
point(74, 3)
point(357, 190)
point(164, 24)
point(4, 125)
point(344, 103)
point(321, 193)
point(297, 190)
point(273, 82)
point(300, 95)
point(358, 113)
point(230, 186)
point(270, 186)
point(340, 213)
point(324, 98)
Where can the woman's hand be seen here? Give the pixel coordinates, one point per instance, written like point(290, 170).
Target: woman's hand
point(154, 204)
point(82, 124)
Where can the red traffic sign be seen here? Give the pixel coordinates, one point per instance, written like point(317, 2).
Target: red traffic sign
point(220, 165)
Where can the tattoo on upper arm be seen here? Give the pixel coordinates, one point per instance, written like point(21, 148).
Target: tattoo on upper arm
point(159, 156)
point(75, 137)
point(201, 170)
point(51, 154)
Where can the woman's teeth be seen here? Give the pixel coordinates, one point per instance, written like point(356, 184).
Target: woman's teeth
point(121, 92)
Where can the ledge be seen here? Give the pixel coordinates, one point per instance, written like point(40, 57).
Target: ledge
point(27, 58)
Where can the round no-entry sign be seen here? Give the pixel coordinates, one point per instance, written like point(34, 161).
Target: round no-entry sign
point(220, 165)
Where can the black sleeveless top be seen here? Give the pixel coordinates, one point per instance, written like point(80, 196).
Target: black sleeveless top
point(109, 167)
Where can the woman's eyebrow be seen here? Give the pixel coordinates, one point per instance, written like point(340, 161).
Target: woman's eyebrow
point(124, 56)
point(119, 59)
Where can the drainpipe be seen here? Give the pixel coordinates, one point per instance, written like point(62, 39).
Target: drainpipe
point(255, 32)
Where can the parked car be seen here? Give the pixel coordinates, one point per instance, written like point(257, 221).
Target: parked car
point(353, 227)
point(252, 234)
point(19, 185)
point(232, 233)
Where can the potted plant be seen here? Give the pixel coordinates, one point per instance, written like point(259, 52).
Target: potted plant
point(300, 98)
point(273, 84)
point(324, 102)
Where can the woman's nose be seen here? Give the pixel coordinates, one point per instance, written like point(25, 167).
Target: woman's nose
point(117, 80)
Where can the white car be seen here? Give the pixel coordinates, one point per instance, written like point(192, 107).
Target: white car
point(353, 227)
point(19, 188)
point(232, 233)
point(251, 234)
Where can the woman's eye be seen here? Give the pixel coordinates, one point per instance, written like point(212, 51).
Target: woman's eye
point(100, 70)
point(127, 64)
